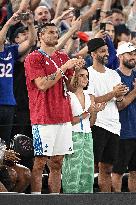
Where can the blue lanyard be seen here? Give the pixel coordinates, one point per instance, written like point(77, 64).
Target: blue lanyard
point(45, 54)
point(81, 122)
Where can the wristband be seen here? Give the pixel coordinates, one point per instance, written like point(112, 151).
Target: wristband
point(119, 100)
point(62, 73)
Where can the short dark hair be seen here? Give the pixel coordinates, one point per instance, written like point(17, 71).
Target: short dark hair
point(44, 25)
point(21, 29)
point(118, 11)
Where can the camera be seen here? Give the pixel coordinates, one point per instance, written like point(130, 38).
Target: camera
point(23, 16)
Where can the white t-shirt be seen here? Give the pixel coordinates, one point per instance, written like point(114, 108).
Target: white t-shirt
point(77, 110)
point(101, 84)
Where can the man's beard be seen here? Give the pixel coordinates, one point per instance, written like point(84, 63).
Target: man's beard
point(52, 43)
point(102, 60)
point(129, 65)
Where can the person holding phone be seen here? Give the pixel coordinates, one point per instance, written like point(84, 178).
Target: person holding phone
point(8, 56)
point(107, 32)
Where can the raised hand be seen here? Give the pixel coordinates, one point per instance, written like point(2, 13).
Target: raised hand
point(14, 19)
point(100, 34)
point(76, 24)
point(67, 14)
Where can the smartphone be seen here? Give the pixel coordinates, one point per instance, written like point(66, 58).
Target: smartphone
point(76, 13)
point(97, 14)
point(23, 16)
point(102, 26)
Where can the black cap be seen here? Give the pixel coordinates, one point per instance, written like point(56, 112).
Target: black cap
point(95, 43)
point(21, 29)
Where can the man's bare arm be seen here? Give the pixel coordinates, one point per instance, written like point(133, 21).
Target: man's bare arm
point(23, 5)
point(97, 4)
point(62, 41)
point(44, 83)
point(4, 30)
point(127, 99)
point(118, 91)
point(26, 45)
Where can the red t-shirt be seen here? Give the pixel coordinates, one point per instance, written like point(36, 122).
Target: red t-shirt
point(50, 107)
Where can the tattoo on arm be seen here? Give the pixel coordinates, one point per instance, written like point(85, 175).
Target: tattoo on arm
point(52, 76)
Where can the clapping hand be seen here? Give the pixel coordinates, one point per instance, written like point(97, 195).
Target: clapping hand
point(97, 107)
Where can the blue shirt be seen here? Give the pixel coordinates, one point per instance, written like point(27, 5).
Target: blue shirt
point(128, 115)
point(113, 61)
point(7, 60)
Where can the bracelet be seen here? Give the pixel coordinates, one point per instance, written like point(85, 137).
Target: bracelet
point(119, 100)
point(62, 73)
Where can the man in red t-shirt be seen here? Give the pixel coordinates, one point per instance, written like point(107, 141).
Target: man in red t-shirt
point(48, 73)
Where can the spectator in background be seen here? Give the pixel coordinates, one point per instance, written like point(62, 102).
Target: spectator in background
point(107, 32)
point(21, 123)
point(8, 56)
point(3, 13)
point(117, 17)
point(22, 116)
point(122, 33)
point(131, 22)
point(42, 15)
point(24, 5)
point(127, 106)
point(133, 38)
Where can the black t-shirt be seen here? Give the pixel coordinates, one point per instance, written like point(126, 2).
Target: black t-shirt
point(20, 89)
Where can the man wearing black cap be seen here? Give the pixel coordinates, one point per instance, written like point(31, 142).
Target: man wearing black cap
point(20, 35)
point(105, 85)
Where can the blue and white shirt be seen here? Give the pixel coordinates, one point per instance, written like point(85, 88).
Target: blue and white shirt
point(7, 60)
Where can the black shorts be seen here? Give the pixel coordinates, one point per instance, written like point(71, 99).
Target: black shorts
point(126, 160)
point(105, 145)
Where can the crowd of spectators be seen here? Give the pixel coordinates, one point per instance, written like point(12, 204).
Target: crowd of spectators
point(112, 23)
